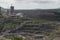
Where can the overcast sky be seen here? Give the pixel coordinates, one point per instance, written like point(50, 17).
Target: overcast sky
point(31, 4)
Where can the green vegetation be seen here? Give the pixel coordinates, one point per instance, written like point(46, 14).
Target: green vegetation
point(17, 22)
point(15, 38)
point(11, 25)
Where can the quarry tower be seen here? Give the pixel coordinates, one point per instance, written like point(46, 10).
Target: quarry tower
point(0, 10)
point(12, 10)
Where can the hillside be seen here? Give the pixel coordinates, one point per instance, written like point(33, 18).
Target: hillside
point(37, 22)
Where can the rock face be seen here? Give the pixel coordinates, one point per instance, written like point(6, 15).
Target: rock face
point(56, 38)
point(3, 38)
point(34, 30)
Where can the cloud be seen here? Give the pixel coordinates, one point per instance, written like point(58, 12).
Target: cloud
point(37, 4)
point(44, 1)
point(38, 1)
point(6, 1)
point(31, 4)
